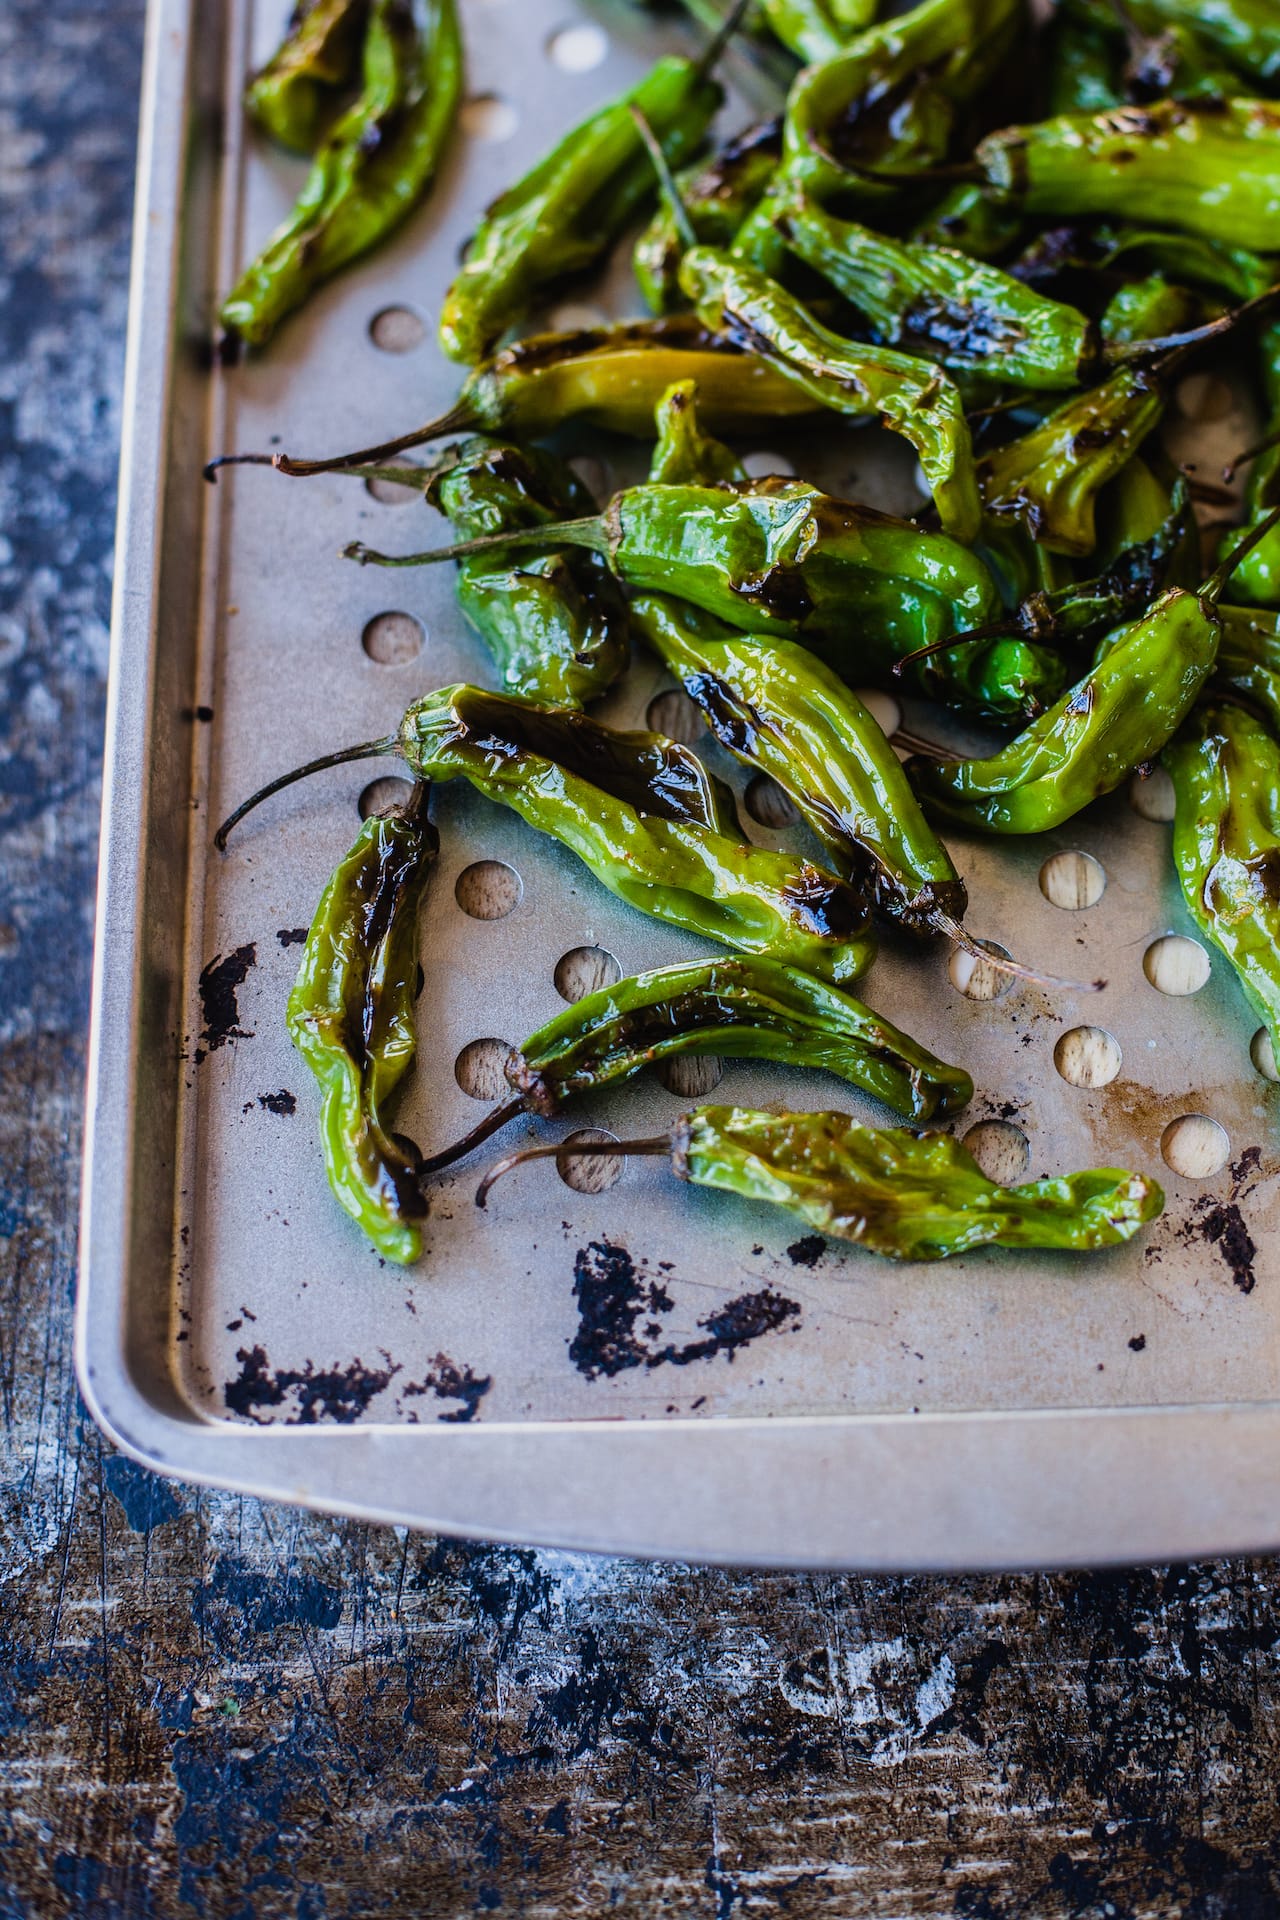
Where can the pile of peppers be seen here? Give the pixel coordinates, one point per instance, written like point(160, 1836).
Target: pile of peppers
point(1016, 300)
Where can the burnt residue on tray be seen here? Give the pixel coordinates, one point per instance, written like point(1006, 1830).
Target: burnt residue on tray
point(283, 1103)
point(615, 1294)
point(448, 1381)
point(1219, 1223)
point(219, 984)
point(342, 1394)
point(291, 936)
point(808, 1251)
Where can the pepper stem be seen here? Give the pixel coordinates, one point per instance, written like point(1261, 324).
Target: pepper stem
point(1172, 346)
point(570, 533)
point(1214, 585)
point(484, 1130)
point(709, 58)
point(666, 179)
point(626, 1149)
point(368, 750)
point(999, 630)
point(459, 419)
point(966, 942)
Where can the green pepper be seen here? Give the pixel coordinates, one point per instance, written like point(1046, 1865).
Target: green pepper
point(1249, 657)
point(747, 1008)
point(554, 622)
point(1225, 769)
point(373, 169)
point(1243, 33)
point(968, 219)
point(1082, 66)
point(782, 558)
point(963, 313)
point(684, 455)
point(1212, 172)
point(777, 708)
point(351, 1017)
point(1235, 273)
point(1143, 310)
point(290, 97)
point(563, 216)
point(1257, 579)
point(817, 29)
point(907, 395)
point(716, 199)
point(908, 1196)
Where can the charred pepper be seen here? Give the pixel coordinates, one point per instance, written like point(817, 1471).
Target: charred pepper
point(291, 95)
point(908, 1196)
point(351, 1017)
point(716, 199)
point(373, 168)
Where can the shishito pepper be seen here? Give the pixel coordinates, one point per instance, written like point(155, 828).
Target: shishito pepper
point(1237, 274)
point(864, 383)
point(817, 29)
point(373, 168)
point(1249, 658)
point(968, 219)
point(715, 200)
point(1257, 579)
point(567, 210)
point(1225, 768)
point(1211, 171)
point(782, 558)
point(554, 621)
point(1245, 34)
point(291, 94)
point(684, 455)
point(747, 1008)
point(908, 1196)
point(351, 1017)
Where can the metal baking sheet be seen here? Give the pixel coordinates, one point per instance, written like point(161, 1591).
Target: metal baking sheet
point(643, 1368)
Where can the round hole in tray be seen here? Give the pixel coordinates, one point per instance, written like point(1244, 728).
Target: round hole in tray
point(594, 474)
point(389, 493)
point(393, 639)
point(585, 970)
point(488, 890)
point(579, 48)
point(397, 329)
point(1087, 1056)
point(1151, 794)
point(487, 116)
point(388, 790)
point(1195, 1146)
point(978, 979)
point(1072, 879)
point(481, 1068)
point(760, 465)
point(1176, 965)
point(676, 715)
point(577, 316)
point(1204, 396)
point(882, 707)
point(691, 1075)
point(1262, 1054)
point(1000, 1149)
point(769, 803)
point(590, 1172)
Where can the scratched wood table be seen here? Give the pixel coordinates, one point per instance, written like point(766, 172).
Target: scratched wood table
point(214, 1708)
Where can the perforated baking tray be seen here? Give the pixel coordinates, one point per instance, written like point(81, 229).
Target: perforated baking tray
point(640, 1367)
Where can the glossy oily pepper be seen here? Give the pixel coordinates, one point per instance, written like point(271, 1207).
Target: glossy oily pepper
point(373, 168)
point(818, 29)
point(969, 220)
point(683, 454)
point(778, 709)
point(745, 1008)
point(1257, 578)
point(554, 621)
point(1245, 34)
point(781, 558)
point(1212, 171)
point(351, 1017)
point(291, 95)
point(1249, 658)
point(905, 1195)
point(965, 314)
point(1236, 274)
point(1225, 768)
point(909, 396)
point(566, 212)
point(715, 199)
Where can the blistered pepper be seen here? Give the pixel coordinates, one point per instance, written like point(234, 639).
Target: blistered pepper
point(1244, 34)
point(351, 1017)
point(908, 395)
point(716, 199)
point(908, 1196)
point(373, 168)
point(1237, 274)
point(746, 1008)
point(290, 96)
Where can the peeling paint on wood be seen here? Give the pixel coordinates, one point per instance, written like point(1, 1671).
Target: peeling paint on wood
point(211, 1710)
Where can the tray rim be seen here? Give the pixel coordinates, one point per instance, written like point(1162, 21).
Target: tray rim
point(935, 1491)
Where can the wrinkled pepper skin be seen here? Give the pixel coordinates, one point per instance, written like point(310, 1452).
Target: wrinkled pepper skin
point(1048, 480)
point(964, 314)
point(716, 198)
point(904, 1195)
point(554, 622)
point(372, 170)
point(1225, 769)
point(639, 811)
point(684, 455)
point(746, 1008)
point(351, 1017)
point(563, 216)
point(1210, 171)
point(1115, 718)
point(290, 96)
point(908, 395)
point(777, 708)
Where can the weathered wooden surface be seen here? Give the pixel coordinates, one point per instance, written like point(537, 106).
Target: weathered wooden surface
point(211, 1708)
